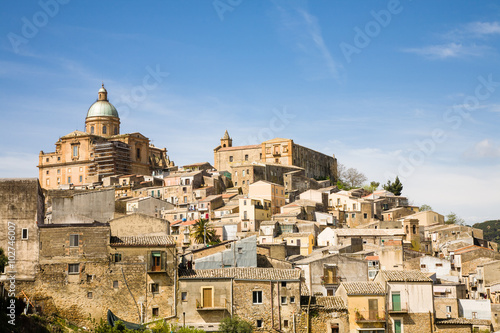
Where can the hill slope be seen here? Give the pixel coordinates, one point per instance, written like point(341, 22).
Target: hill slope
point(491, 230)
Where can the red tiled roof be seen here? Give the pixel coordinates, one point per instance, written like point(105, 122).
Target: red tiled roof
point(240, 147)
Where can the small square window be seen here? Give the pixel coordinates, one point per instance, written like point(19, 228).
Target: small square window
point(184, 296)
point(155, 288)
point(156, 312)
point(283, 283)
point(117, 257)
point(240, 250)
point(230, 158)
point(25, 233)
point(47, 159)
point(74, 240)
point(59, 158)
point(115, 284)
point(89, 294)
point(292, 299)
point(257, 297)
point(259, 323)
point(283, 299)
point(73, 268)
point(285, 323)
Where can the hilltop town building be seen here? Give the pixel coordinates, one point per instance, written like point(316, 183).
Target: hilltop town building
point(82, 158)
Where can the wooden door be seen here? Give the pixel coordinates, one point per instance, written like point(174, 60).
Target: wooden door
point(207, 297)
point(396, 302)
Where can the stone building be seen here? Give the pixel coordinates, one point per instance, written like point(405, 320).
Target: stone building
point(268, 298)
point(410, 300)
point(21, 211)
point(82, 158)
point(276, 151)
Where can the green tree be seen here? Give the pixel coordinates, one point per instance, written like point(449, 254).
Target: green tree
point(202, 231)
point(453, 218)
point(424, 208)
point(235, 325)
point(3, 259)
point(395, 187)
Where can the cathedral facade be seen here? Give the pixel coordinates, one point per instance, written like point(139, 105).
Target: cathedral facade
point(84, 158)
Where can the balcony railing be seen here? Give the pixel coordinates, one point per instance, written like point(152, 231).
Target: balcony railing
point(217, 306)
point(369, 316)
point(331, 280)
point(398, 307)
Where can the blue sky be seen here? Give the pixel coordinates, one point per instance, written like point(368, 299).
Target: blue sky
point(406, 88)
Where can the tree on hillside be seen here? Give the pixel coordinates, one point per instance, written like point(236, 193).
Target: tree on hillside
point(395, 187)
point(349, 178)
point(453, 218)
point(202, 232)
point(235, 325)
point(424, 208)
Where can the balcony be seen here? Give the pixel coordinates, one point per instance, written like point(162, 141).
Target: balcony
point(369, 316)
point(330, 280)
point(398, 308)
point(216, 307)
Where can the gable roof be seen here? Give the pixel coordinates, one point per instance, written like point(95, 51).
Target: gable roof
point(405, 276)
point(243, 273)
point(363, 288)
point(142, 241)
point(335, 303)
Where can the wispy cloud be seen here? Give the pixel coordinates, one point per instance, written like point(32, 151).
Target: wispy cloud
point(304, 33)
point(449, 50)
point(466, 40)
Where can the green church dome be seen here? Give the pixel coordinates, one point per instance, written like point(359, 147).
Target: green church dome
point(102, 107)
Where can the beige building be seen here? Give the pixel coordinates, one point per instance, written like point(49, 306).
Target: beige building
point(276, 151)
point(269, 191)
point(82, 158)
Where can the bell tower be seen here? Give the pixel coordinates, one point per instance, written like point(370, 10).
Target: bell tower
point(226, 141)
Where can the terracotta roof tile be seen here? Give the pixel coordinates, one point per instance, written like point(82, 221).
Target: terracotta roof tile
point(405, 276)
point(243, 273)
point(363, 288)
point(463, 321)
point(142, 241)
point(331, 303)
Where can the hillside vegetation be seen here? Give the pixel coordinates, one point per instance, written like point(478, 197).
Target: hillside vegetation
point(491, 230)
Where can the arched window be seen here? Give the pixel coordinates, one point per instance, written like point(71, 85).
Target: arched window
point(104, 130)
point(91, 129)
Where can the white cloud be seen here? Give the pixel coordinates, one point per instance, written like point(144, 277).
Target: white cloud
point(483, 28)
point(484, 149)
point(450, 50)
point(304, 33)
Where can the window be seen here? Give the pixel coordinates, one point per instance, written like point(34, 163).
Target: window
point(156, 262)
point(47, 172)
point(155, 288)
point(283, 299)
point(283, 283)
point(47, 159)
point(230, 158)
point(353, 215)
point(259, 323)
point(117, 257)
point(184, 296)
point(104, 129)
point(91, 129)
point(246, 157)
point(414, 229)
point(474, 315)
point(423, 266)
point(116, 130)
point(75, 151)
point(156, 312)
point(439, 264)
point(59, 158)
point(285, 323)
point(257, 298)
point(138, 153)
point(448, 308)
point(74, 240)
point(292, 299)
point(69, 180)
point(244, 202)
point(240, 250)
point(365, 216)
point(243, 182)
point(59, 180)
point(81, 179)
point(25, 233)
point(58, 171)
point(73, 268)
point(89, 294)
point(115, 284)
